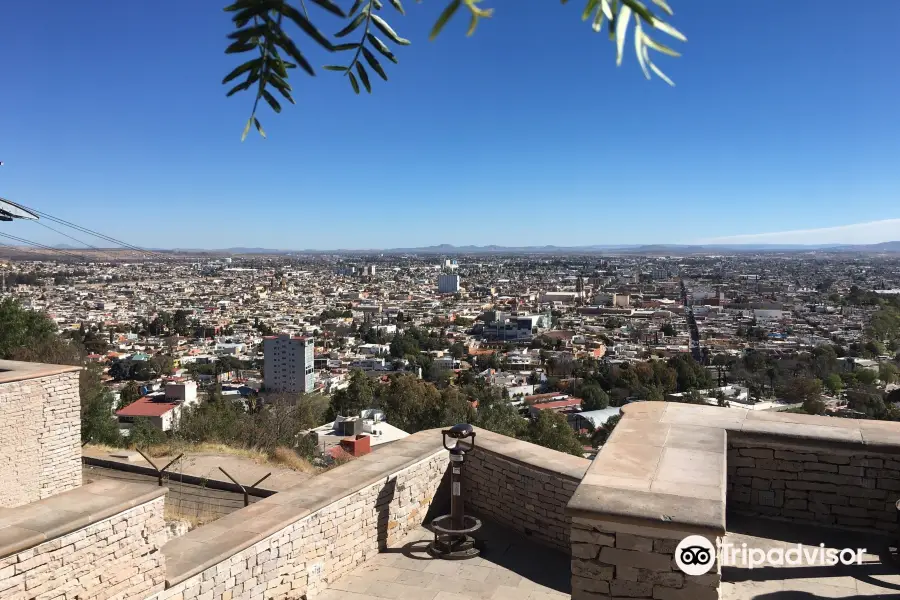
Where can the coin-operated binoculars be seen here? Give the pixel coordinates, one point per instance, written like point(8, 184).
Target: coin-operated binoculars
point(452, 533)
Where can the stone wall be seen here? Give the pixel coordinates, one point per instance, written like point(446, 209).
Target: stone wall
point(304, 556)
point(611, 559)
point(117, 557)
point(523, 497)
point(40, 435)
point(853, 488)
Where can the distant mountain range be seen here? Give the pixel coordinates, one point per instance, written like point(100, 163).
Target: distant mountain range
point(591, 249)
point(450, 249)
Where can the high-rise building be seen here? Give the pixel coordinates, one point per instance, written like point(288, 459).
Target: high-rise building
point(448, 284)
point(289, 364)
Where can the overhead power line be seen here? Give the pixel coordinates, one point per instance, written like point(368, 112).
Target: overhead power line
point(94, 233)
point(74, 239)
point(50, 248)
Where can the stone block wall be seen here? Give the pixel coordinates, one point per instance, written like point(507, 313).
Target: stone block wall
point(118, 557)
point(615, 560)
point(826, 486)
point(524, 498)
point(40, 438)
point(302, 558)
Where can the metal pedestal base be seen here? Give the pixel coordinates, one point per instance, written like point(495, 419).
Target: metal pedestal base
point(454, 544)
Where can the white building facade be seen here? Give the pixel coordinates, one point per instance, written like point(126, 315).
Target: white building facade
point(289, 364)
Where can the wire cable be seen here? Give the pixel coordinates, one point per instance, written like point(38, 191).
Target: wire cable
point(50, 248)
point(92, 232)
point(74, 239)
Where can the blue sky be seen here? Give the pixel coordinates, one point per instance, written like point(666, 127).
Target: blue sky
point(783, 119)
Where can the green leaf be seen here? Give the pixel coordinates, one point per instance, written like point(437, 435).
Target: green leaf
point(597, 25)
point(256, 62)
point(607, 10)
point(353, 25)
point(353, 81)
point(666, 28)
point(271, 101)
point(240, 46)
point(639, 47)
point(241, 4)
point(396, 4)
point(247, 129)
point(342, 47)
point(288, 45)
point(659, 47)
point(588, 9)
point(373, 62)
point(661, 75)
point(381, 47)
point(248, 32)
point(473, 23)
point(330, 7)
point(386, 30)
point(445, 16)
point(621, 30)
point(355, 7)
point(303, 23)
point(377, 4)
point(239, 88)
point(335, 68)
point(259, 127)
point(639, 9)
point(278, 83)
point(662, 4)
point(363, 76)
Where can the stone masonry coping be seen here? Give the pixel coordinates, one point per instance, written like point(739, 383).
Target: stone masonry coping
point(210, 544)
point(532, 455)
point(14, 370)
point(27, 526)
point(664, 465)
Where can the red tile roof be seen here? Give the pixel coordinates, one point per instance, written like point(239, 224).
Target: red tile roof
point(557, 404)
point(146, 407)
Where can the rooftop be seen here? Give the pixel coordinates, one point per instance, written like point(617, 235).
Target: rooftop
point(147, 407)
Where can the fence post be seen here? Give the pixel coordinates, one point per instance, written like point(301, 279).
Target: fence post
point(159, 472)
point(244, 489)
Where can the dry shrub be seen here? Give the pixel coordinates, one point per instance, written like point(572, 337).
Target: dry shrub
point(286, 457)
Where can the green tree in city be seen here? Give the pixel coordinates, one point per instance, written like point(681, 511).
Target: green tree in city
point(593, 397)
point(552, 430)
point(834, 384)
point(358, 395)
point(602, 433)
point(143, 434)
point(887, 372)
point(98, 425)
point(130, 392)
point(806, 391)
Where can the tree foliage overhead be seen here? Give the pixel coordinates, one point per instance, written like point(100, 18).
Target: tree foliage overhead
point(261, 30)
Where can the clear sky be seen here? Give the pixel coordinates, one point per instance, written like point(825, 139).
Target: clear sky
point(784, 119)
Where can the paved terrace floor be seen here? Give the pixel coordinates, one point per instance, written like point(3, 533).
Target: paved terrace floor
point(511, 567)
point(876, 577)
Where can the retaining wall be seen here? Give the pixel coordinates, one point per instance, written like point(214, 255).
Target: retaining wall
point(40, 431)
point(100, 541)
point(523, 486)
point(296, 542)
point(827, 486)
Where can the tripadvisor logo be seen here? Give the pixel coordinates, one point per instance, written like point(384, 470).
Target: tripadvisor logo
point(695, 555)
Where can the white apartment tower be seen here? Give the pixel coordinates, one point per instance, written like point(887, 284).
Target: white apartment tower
point(448, 284)
point(289, 364)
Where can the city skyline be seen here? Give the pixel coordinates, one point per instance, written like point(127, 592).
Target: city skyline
point(482, 140)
